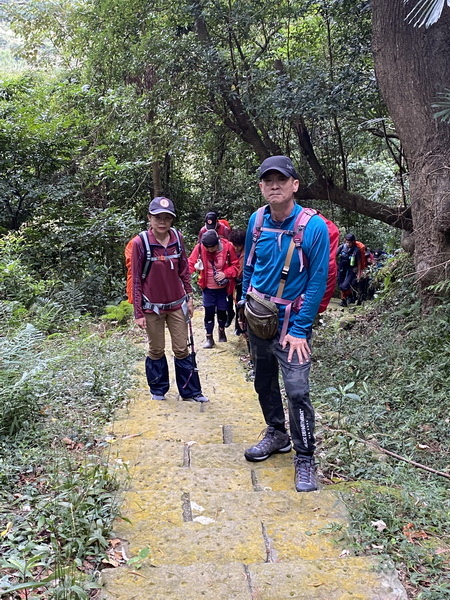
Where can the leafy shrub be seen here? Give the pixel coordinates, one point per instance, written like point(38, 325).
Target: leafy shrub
point(120, 313)
point(57, 494)
point(390, 393)
point(23, 367)
point(17, 282)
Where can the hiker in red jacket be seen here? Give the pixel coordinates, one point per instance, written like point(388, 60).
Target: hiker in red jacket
point(212, 221)
point(216, 261)
point(163, 297)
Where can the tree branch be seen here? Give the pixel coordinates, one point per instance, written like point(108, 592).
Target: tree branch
point(396, 216)
point(377, 447)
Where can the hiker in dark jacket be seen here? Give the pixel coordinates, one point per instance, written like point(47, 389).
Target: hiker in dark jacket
point(349, 267)
point(237, 238)
point(164, 298)
point(264, 266)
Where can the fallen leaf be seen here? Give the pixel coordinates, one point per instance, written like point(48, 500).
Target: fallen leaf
point(111, 561)
point(7, 530)
point(412, 535)
point(131, 435)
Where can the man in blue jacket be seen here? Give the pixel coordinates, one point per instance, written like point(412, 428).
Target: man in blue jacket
point(291, 351)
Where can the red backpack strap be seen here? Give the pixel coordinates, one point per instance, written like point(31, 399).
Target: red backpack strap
point(301, 222)
point(257, 226)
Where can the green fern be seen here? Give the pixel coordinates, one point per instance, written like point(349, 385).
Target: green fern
point(442, 287)
point(121, 312)
point(444, 105)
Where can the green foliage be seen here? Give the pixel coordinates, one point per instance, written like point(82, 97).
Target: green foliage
point(120, 313)
point(441, 289)
point(401, 381)
point(58, 489)
point(17, 282)
point(36, 147)
point(137, 561)
point(444, 106)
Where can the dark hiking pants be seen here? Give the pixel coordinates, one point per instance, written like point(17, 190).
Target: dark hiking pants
point(268, 357)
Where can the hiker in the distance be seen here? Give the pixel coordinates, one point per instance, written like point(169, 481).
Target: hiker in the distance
point(237, 238)
point(288, 348)
point(212, 221)
point(349, 268)
point(216, 261)
point(163, 298)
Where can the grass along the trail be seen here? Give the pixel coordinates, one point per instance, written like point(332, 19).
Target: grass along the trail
point(380, 382)
point(58, 493)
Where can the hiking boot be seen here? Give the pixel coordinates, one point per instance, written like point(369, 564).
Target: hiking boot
point(209, 342)
point(156, 397)
point(197, 398)
point(222, 335)
point(273, 442)
point(305, 474)
point(343, 303)
point(230, 318)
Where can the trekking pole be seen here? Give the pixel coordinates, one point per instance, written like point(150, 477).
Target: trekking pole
point(191, 344)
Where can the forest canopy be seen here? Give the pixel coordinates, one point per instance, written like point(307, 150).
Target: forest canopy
point(112, 103)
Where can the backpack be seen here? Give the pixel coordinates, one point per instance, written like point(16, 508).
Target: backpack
point(362, 255)
point(226, 223)
point(148, 259)
point(299, 226)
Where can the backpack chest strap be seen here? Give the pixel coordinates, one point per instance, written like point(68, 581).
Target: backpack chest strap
point(166, 256)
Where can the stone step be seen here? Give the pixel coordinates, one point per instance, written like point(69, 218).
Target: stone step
point(249, 541)
point(163, 508)
point(184, 421)
point(244, 526)
point(350, 578)
point(188, 466)
point(217, 526)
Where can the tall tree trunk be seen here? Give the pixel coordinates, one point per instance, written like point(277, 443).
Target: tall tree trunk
point(412, 67)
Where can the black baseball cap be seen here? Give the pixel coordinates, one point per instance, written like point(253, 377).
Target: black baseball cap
point(283, 164)
point(350, 237)
point(210, 238)
point(211, 220)
point(161, 204)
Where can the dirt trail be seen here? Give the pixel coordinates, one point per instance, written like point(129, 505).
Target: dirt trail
point(218, 527)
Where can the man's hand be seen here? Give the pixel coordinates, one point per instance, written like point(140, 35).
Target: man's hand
point(299, 345)
point(241, 316)
point(140, 322)
point(190, 305)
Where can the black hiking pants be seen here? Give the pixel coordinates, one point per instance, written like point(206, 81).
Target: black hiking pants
point(268, 357)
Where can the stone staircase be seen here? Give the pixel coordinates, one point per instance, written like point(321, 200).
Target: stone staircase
point(217, 526)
